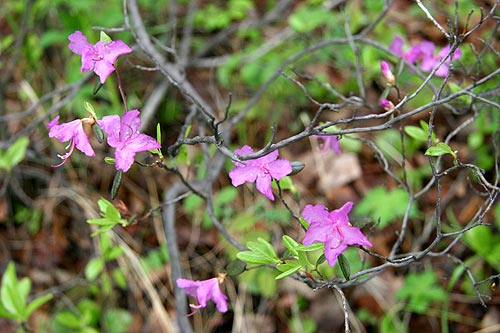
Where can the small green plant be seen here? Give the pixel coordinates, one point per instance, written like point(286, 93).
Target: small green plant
point(374, 205)
point(110, 216)
point(420, 291)
point(13, 155)
point(89, 317)
point(14, 294)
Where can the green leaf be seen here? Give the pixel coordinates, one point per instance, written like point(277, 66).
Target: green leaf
point(320, 260)
point(35, 304)
point(291, 245)
point(288, 272)
point(344, 266)
point(116, 320)
point(374, 204)
point(421, 290)
point(105, 38)
point(440, 149)
point(99, 134)
point(261, 252)
point(10, 292)
point(109, 160)
point(254, 258)
point(416, 132)
point(69, 319)
point(264, 247)
point(312, 247)
point(14, 154)
point(303, 259)
point(4, 313)
point(116, 183)
point(236, 267)
point(94, 268)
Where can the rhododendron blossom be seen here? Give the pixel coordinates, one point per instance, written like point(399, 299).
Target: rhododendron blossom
point(330, 142)
point(99, 57)
point(430, 60)
point(411, 55)
point(333, 229)
point(72, 132)
point(260, 170)
point(125, 137)
point(424, 51)
point(204, 291)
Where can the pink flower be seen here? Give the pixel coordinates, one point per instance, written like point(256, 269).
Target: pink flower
point(386, 71)
point(411, 55)
point(125, 137)
point(99, 57)
point(204, 291)
point(333, 229)
point(72, 132)
point(260, 170)
point(424, 51)
point(430, 61)
point(330, 142)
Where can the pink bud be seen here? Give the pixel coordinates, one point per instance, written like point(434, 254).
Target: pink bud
point(386, 71)
point(386, 104)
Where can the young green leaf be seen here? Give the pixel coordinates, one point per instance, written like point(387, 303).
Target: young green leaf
point(94, 268)
point(14, 154)
point(288, 272)
point(440, 149)
point(105, 38)
point(291, 245)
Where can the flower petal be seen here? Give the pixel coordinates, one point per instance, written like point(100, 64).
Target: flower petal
point(354, 236)
point(114, 49)
point(78, 42)
point(130, 123)
point(315, 214)
point(103, 69)
point(280, 168)
point(332, 252)
point(264, 185)
point(111, 126)
point(124, 158)
point(241, 175)
point(317, 232)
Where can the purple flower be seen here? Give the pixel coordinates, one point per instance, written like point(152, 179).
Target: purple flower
point(330, 142)
point(125, 137)
point(386, 71)
point(333, 229)
point(260, 170)
point(430, 61)
point(72, 132)
point(204, 291)
point(99, 57)
point(411, 55)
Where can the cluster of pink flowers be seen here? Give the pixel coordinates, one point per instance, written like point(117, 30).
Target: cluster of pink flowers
point(123, 135)
point(425, 53)
point(331, 228)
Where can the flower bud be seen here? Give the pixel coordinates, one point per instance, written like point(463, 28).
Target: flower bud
point(386, 104)
point(386, 71)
